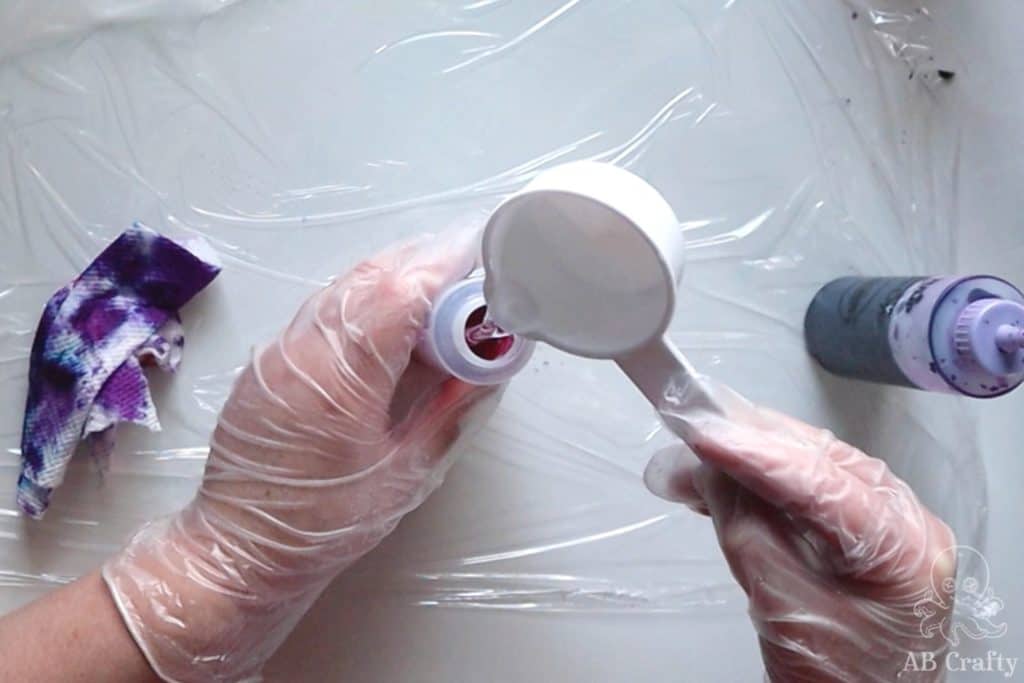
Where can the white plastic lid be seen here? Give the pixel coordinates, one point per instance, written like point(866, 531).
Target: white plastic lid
point(586, 258)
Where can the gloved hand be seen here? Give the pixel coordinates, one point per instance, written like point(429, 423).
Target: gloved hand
point(329, 437)
point(833, 550)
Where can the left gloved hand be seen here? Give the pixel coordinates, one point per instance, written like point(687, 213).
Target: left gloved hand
point(330, 436)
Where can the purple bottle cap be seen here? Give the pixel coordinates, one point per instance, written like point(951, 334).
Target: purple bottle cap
point(989, 335)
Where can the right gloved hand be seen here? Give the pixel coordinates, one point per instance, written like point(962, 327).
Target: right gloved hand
point(844, 568)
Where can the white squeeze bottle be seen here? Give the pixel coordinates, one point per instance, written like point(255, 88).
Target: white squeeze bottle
point(460, 340)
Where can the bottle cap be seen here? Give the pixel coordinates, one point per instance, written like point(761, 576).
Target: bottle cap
point(989, 333)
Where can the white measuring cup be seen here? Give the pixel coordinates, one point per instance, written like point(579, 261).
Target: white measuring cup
point(587, 258)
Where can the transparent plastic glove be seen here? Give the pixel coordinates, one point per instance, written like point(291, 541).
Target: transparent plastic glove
point(329, 437)
point(836, 554)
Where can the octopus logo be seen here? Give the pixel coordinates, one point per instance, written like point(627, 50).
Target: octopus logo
point(974, 606)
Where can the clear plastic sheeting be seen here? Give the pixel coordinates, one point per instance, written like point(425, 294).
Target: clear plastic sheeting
point(799, 141)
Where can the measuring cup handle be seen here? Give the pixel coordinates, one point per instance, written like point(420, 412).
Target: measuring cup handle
point(659, 368)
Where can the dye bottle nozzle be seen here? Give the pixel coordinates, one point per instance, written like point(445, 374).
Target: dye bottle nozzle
point(1010, 338)
point(949, 334)
point(459, 339)
point(989, 334)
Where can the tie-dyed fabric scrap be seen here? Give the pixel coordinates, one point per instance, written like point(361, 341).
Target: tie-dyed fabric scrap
point(94, 338)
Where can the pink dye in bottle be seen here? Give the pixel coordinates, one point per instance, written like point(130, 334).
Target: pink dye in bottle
point(460, 340)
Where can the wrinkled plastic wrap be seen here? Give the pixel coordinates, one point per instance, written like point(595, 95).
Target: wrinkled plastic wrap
point(798, 140)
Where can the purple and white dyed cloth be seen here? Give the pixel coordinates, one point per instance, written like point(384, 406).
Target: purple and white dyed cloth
point(95, 335)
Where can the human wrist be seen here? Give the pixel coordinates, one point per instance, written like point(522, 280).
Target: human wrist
point(194, 607)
